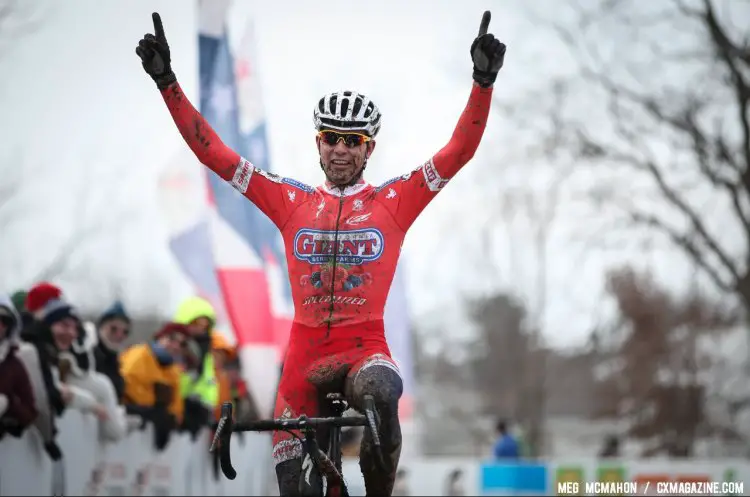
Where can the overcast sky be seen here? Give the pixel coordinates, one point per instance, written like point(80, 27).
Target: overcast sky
point(86, 130)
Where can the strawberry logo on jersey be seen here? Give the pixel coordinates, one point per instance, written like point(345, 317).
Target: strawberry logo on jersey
point(342, 278)
point(352, 247)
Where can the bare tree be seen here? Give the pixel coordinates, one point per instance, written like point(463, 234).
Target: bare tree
point(500, 355)
point(674, 79)
point(479, 380)
point(539, 211)
point(654, 369)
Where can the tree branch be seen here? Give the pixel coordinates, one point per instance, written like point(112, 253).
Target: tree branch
point(709, 148)
point(669, 193)
point(729, 53)
point(682, 241)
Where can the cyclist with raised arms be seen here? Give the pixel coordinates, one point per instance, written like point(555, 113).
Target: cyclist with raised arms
point(343, 239)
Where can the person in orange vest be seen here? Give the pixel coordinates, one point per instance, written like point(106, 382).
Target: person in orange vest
point(232, 388)
point(223, 352)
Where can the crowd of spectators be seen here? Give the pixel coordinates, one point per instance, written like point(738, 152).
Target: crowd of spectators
point(52, 359)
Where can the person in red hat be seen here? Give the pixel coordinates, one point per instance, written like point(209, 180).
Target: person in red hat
point(59, 328)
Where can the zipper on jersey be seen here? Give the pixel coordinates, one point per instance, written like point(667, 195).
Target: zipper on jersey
point(335, 257)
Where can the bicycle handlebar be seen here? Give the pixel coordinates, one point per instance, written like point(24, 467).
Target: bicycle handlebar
point(298, 423)
point(226, 426)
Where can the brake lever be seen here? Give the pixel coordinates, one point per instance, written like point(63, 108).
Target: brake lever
point(222, 439)
point(219, 430)
point(372, 419)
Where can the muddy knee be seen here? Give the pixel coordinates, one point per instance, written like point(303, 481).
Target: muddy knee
point(382, 382)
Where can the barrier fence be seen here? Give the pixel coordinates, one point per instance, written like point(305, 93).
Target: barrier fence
point(130, 467)
point(133, 467)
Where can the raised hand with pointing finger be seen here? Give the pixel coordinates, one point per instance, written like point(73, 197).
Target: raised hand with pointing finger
point(153, 50)
point(487, 53)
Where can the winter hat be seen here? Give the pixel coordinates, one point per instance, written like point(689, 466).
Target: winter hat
point(115, 311)
point(19, 300)
point(171, 328)
point(45, 301)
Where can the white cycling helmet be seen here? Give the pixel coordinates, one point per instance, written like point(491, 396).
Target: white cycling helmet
point(347, 111)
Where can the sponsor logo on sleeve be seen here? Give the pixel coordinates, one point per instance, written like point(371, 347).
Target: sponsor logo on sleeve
point(431, 176)
point(297, 184)
point(242, 175)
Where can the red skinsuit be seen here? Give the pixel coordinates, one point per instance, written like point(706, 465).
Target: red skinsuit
point(338, 318)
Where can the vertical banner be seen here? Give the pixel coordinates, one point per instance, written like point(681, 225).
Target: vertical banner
point(267, 240)
point(237, 227)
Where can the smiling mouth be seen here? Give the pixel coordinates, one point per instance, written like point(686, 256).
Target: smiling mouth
point(340, 165)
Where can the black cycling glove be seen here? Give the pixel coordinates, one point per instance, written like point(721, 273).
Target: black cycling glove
point(153, 50)
point(487, 53)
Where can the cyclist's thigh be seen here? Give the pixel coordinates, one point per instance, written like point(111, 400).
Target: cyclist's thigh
point(296, 396)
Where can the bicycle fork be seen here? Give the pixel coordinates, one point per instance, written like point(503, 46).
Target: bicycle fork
point(318, 473)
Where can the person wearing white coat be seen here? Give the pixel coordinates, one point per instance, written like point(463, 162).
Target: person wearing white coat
point(73, 371)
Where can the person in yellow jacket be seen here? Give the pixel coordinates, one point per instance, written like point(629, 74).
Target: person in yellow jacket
point(151, 373)
point(199, 384)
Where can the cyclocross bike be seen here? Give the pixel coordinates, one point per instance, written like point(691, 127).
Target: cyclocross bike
point(325, 474)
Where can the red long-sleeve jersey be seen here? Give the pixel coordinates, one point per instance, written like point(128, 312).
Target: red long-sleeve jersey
point(341, 246)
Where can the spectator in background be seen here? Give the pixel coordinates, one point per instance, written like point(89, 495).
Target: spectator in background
point(17, 404)
point(50, 400)
point(152, 380)
point(222, 353)
point(71, 356)
point(199, 384)
point(112, 329)
point(611, 447)
point(454, 484)
point(19, 302)
point(232, 386)
point(506, 446)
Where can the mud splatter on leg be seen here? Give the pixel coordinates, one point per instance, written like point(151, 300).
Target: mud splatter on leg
point(381, 380)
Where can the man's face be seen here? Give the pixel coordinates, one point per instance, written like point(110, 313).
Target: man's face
point(174, 344)
point(116, 331)
point(199, 327)
point(343, 155)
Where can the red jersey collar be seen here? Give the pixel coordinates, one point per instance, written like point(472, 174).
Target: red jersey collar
point(332, 189)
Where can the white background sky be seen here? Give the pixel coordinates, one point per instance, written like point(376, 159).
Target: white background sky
point(87, 130)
